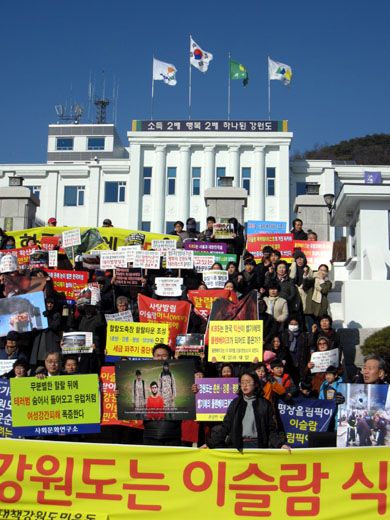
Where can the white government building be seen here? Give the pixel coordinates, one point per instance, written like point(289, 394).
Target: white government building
point(163, 173)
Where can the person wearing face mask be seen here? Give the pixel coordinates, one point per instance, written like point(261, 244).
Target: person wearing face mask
point(297, 344)
point(8, 243)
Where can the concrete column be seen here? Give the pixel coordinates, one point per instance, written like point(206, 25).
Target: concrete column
point(183, 183)
point(52, 202)
point(258, 184)
point(93, 199)
point(208, 175)
point(135, 187)
point(282, 182)
point(234, 165)
point(159, 190)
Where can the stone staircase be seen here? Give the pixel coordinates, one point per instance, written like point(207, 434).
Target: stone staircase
point(351, 338)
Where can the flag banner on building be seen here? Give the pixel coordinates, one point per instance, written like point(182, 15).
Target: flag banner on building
point(238, 71)
point(264, 226)
point(109, 415)
point(174, 312)
point(190, 344)
point(155, 390)
point(112, 237)
point(302, 416)
point(199, 58)
point(22, 313)
point(283, 242)
point(163, 482)
point(279, 71)
point(214, 396)
point(364, 417)
point(55, 405)
point(238, 341)
point(372, 177)
point(5, 409)
point(203, 299)
point(135, 339)
point(165, 72)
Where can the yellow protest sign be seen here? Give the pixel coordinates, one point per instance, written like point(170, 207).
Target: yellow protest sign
point(113, 237)
point(134, 339)
point(153, 482)
point(236, 341)
point(65, 404)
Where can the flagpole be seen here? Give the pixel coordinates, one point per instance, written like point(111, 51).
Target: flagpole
point(189, 87)
point(229, 90)
point(152, 99)
point(269, 94)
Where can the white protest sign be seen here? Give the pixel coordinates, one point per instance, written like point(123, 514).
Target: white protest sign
point(163, 245)
point(203, 262)
point(322, 360)
point(147, 259)
point(71, 238)
point(130, 252)
point(169, 286)
point(215, 279)
point(6, 365)
point(77, 343)
point(112, 259)
point(53, 258)
point(120, 316)
point(179, 259)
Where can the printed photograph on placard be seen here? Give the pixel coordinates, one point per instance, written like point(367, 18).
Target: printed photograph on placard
point(364, 418)
point(155, 390)
point(189, 344)
point(22, 313)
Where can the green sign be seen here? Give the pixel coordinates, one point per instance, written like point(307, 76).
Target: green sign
point(59, 400)
point(222, 258)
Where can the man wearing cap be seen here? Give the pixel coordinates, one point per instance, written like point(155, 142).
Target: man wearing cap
point(107, 223)
point(52, 222)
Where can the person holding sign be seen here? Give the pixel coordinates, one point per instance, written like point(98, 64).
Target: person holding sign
point(249, 421)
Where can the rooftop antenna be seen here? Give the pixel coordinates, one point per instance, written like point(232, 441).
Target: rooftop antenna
point(115, 95)
point(101, 105)
point(91, 89)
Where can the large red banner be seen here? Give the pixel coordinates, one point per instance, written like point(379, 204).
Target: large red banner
point(174, 312)
point(203, 300)
point(69, 282)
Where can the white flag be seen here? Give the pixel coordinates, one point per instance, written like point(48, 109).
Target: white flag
point(165, 72)
point(198, 57)
point(280, 71)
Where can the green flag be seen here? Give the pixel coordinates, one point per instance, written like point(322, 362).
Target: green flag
point(238, 71)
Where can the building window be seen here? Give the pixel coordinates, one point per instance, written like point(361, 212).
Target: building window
point(74, 195)
point(171, 180)
point(95, 143)
point(147, 180)
point(271, 174)
point(169, 226)
point(300, 188)
point(114, 191)
point(35, 190)
point(221, 172)
point(145, 226)
point(195, 184)
point(246, 179)
point(64, 143)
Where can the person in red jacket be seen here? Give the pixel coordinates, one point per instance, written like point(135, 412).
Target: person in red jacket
point(154, 403)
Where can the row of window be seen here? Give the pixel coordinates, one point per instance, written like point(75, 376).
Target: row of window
point(66, 143)
point(74, 195)
point(195, 179)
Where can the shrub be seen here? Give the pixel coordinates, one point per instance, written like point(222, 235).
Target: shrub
point(378, 343)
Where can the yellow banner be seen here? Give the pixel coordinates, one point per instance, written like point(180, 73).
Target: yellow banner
point(134, 339)
point(170, 483)
point(112, 236)
point(236, 341)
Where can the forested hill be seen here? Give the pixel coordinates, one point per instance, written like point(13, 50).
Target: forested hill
point(371, 149)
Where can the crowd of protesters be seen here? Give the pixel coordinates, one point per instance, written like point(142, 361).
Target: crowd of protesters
point(292, 301)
